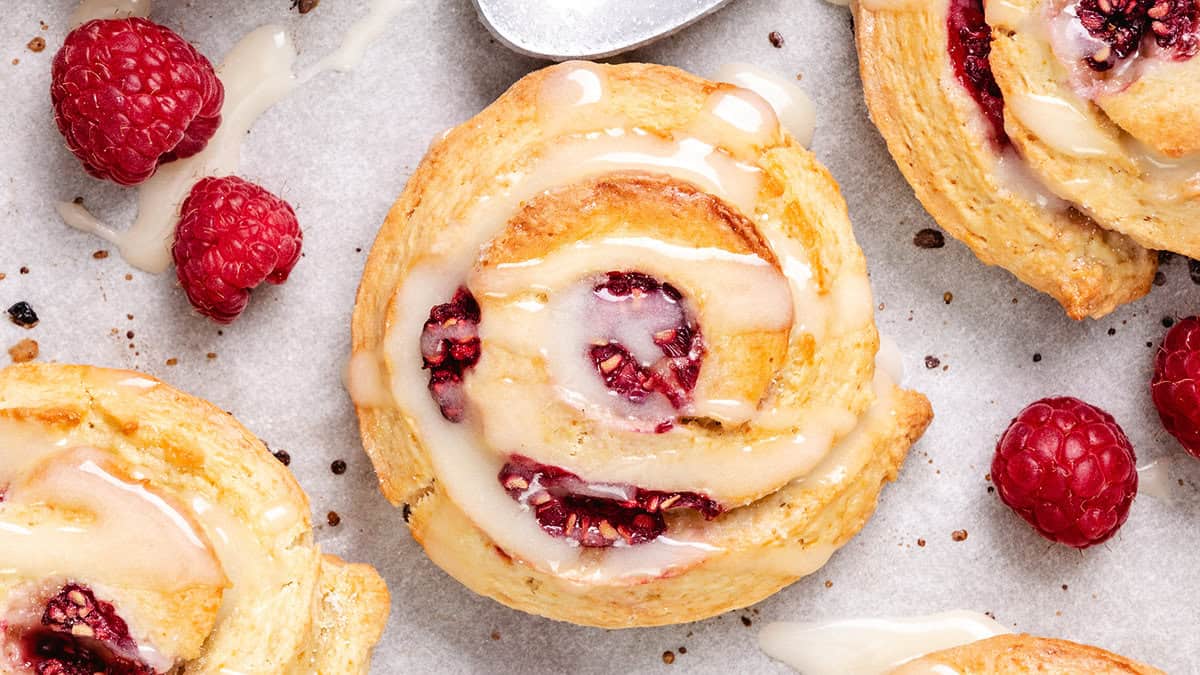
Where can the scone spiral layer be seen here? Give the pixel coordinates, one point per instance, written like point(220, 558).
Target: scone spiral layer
point(615, 341)
point(145, 531)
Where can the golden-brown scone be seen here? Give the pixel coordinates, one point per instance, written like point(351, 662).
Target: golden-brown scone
point(1100, 139)
point(961, 167)
point(649, 391)
point(1018, 654)
point(146, 530)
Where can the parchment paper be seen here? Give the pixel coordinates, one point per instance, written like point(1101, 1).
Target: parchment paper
point(341, 148)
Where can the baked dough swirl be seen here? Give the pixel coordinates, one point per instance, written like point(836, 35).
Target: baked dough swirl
point(927, 70)
point(145, 531)
point(649, 390)
point(1019, 654)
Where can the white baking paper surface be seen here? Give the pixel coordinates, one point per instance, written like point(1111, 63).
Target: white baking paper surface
point(340, 150)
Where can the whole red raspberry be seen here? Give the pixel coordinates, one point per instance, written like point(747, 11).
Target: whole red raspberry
point(1068, 469)
point(232, 236)
point(129, 94)
point(1173, 387)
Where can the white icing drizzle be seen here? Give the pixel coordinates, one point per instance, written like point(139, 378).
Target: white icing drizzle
point(365, 380)
point(107, 9)
point(1154, 479)
point(256, 73)
point(792, 105)
point(571, 103)
point(871, 646)
point(1063, 125)
point(96, 513)
point(1015, 177)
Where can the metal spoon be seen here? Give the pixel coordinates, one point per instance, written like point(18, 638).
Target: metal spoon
point(587, 29)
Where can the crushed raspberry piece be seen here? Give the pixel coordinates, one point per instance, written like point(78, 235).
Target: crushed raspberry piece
point(80, 635)
point(970, 45)
point(1122, 25)
point(450, 346)
point(232, 236)
point(673, 375)
point(1174, 385)
point(595, 515)
point(1068, 469)
point(129, 94)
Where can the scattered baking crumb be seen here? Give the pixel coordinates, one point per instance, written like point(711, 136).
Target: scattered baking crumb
point(921, 543)
point(16, 61)
point(959, 535)
point(746, 621)
point(828, 583)
point(776, 39)
point(1160, 279)
point(929, 238)
point(283, 456)
point(22, 314)
point(932, 362)
point(37, 44)
point(947, 297)
point(1167, 322)
point(305, 6)
point(1165, 257)
point(24, 351)
point(1064, 587)
point(129, 334)
point(211, 355)
point(1112, 331)
point(129, 316)
point(333, 519)
point(991, 489)
point(44, 25)
point(682, 650)
point(495, 635)
point(128, 277)
point(3, 276)
point(338, 467)
point(100, 255)
point(1037, 358)
point(172, 362)
point(406, 512)
point(668, 657)
point(24, 270)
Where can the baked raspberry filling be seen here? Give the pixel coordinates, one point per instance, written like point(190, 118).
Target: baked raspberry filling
point(633, 301)
point(1124, 24)
point(80, 635)
point(595, 515)
point(449, 347)
point(970, 44)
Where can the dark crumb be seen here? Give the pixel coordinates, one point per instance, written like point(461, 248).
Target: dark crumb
point(305, 6)
point(959, 535)
point(24, 270)
point(24, 351)
point(929, 238)
point(129, 334)
point(333, 519)
point(682, 650)
point(1064, 587)
point(1112, 331)
point(211, 355)
point(1165, 257)
point(991, 489)
point(947, 297)
point(1037, 358)
point(668, 657)
point(77, 200)
point(358, 250)
point(1194, 271)
point(283, 456)
point(921, 543)
point(1160, 279)
point(37, 44)
point(100, 255)
point(828, 583)
point(746, 621)
point(3, 276)
point(1167, 322)
point(495, 635)
point(44, 25)
point(932, 362)
point(776, 39)
point(128, 277)
point(1149, 344)
point(338, 467)
point(129, 316)
point(990, 615)
point(23, 315)
point(172, 362)
point(220, 332)
point(406, 512)
point(881, 305)
point(1015, 301)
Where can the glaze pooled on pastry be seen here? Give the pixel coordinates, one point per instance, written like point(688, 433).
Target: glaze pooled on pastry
point(144, 531)
point(940, 99)
point(615, 342)
point(949, 643)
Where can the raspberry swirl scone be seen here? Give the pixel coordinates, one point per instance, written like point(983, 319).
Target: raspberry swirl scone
point(937, 84)
point(614, 352)
point(145, 531)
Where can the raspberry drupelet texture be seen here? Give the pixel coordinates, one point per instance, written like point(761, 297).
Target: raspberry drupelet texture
point(129, 94)
point(595, 515)
point(1123, 24)
point(80, 635)
point(449, 347)
point(1068, 469)
point(1174, 385)
point(232, 236)
point(970, 48)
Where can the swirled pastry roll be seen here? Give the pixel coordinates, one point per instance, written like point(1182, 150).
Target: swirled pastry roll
point(145, 531)
point(1022, 654)
point(927, 70)
point(614, 352)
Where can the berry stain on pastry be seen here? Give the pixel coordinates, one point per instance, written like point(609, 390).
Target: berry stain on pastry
point(189, 133)
point(611, 361)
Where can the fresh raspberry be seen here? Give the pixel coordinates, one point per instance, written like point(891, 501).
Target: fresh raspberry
point(1174, 389)
point(1068, 469)
point(129, 94)
point(232, 236)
